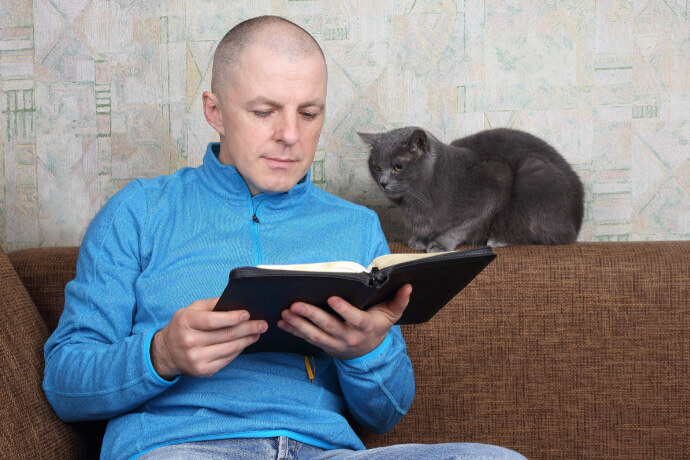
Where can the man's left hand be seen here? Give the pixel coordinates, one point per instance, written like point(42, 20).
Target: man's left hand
point(354, 334)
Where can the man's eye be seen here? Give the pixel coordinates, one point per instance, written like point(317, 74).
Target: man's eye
point(262, 113)
point(309, 115)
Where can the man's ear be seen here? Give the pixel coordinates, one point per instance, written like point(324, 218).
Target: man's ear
point(213, 112)
point(419, 142)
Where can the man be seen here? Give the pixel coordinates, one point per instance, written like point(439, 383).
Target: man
point(138, 342)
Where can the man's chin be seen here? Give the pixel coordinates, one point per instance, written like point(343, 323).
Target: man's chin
point(274, 187)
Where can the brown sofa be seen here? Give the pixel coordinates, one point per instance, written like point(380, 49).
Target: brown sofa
point(578, 351)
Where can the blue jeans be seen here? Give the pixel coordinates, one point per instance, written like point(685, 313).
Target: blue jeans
point(283, 448)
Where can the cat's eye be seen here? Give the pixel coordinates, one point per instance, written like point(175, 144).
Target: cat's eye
point(398, 167)
point(377, 168)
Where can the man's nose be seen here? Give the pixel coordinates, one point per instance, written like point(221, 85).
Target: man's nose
point(288, 129)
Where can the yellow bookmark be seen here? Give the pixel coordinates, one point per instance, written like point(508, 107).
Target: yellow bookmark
point(310, 372)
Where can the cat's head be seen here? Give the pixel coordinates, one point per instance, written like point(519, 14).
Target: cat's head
point(400, 159)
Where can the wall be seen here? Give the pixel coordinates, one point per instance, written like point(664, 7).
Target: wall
point(94, 93)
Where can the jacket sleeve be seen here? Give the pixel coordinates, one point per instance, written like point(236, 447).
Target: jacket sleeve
point(96, 365)
point(379, 387)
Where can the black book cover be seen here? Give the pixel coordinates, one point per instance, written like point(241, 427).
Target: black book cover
point(266, 292)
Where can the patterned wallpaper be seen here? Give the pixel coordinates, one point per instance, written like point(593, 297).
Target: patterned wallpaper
point(94, 93)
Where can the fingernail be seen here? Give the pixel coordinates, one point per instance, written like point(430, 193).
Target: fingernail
point(335, 302)
point(244, 316)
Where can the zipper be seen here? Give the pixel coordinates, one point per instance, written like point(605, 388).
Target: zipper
point(255, 240)
point(310, 365)
point(254, 225)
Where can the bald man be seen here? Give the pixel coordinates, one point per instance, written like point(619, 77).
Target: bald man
point(139, 342)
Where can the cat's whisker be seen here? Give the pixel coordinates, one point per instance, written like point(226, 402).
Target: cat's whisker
point(424, 200)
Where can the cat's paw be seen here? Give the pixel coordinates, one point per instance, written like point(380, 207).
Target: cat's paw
point(416, 243)
point(435, 246)
point(496, 243)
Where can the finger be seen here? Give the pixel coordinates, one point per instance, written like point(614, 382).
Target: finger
point(201, 320)
point(221, 351)
point(395, 307)
point(306, 330)
point(219, 364)
point(284, 325)
point(204, 304)
point(316, 316)
point(349, 313)
point(218, 356)
point(228, 334)
point(317, 338)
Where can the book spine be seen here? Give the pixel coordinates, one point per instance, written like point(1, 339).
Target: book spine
point(377, 278)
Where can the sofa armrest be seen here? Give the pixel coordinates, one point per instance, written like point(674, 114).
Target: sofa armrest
point(44, 273)
point(568, 351)
point(29, 428)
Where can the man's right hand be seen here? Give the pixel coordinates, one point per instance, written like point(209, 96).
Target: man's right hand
point(199, 341)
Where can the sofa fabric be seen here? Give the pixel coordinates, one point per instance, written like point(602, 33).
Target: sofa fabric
point(29, 429)
point(44, 273)
point(579, 351)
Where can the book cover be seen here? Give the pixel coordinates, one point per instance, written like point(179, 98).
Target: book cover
point(265, 292)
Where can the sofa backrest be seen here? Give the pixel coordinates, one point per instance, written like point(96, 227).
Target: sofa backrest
point(577, 351)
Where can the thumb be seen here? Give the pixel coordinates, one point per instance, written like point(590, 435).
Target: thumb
point(395, 307)
point(204, 304)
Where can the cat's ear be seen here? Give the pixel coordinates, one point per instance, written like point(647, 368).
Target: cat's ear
point(419, 142)
point(369, 138)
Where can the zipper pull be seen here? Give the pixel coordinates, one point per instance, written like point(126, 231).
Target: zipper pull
point(255, 219)
point(310, 371)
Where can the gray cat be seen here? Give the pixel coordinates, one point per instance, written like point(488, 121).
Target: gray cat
point(498, 187)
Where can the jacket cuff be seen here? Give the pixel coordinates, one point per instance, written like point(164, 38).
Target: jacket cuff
point(149, 364)
point(382, 348)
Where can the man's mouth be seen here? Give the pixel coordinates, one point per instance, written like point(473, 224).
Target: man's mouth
point(280, 163)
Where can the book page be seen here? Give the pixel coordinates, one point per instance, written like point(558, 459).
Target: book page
point(393, 259)
point(338, 266)
point(343, 266)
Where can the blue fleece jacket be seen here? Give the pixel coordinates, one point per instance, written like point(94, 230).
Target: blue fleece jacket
point(160, 244)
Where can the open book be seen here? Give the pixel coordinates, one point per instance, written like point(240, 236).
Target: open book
point(265, 291)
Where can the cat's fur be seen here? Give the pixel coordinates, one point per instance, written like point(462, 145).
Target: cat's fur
point(498, 187)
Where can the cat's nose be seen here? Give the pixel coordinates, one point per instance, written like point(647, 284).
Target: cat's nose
point(383, 182)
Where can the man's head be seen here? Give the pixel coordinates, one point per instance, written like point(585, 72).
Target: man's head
point(267, 101)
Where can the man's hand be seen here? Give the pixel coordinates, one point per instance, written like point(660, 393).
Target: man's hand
point(355, 334)
point(200, 342)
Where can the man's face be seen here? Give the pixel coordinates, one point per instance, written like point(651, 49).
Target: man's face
point(272, 114)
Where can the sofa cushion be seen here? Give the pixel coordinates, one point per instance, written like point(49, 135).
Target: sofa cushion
point(30, 428)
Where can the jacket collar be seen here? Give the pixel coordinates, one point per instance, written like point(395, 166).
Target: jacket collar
point(225, 181)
